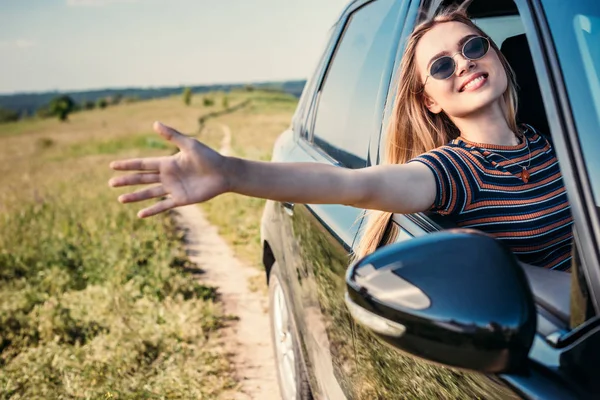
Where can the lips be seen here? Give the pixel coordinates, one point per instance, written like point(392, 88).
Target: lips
point(471, 79)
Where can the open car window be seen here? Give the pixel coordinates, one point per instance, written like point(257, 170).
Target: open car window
point(553, 290)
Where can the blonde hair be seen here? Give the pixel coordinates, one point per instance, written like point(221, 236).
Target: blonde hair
point(414, 130)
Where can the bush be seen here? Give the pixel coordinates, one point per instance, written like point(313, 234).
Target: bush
point(44, 143)
point(8, 115)
point(187, 96)
point(102, 103)
point(61, 107)
point(116, 99)
point(208, 101)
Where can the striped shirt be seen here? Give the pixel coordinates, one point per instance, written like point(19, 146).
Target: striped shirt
point(478, 188)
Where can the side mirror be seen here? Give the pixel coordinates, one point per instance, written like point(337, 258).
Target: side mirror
point(455, 297)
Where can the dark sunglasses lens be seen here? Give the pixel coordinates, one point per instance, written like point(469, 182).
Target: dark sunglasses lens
point(476, 48)
point(442, 68)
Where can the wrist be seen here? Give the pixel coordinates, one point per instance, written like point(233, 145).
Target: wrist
point(232, 173)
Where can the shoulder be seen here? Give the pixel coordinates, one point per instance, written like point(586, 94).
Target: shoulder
point(535, 137)
point(449, 164)
point(451, 153)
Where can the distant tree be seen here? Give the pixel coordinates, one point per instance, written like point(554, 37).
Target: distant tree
point(225, 102)
point(102, 103)
point(89, 105)
point(116, 99)
point(207, 101)
point(8, 115)
point(187, 96)
point(61, 107)
point(131, 99)
point(249, 88)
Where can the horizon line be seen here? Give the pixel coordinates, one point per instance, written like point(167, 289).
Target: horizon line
point(97, 89)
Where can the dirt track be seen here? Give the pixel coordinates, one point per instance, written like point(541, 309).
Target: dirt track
point(247, 338)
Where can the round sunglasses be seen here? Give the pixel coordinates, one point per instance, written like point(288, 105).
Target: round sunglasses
point(445, 66)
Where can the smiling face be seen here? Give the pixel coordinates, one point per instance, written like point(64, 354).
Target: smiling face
point(475, 84)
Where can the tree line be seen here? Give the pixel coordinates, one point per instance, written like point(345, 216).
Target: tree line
point(50, 105)
point(63, 105)
point(24, 105)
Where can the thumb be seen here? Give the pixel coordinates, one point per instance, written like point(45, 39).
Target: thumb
point(180, 140)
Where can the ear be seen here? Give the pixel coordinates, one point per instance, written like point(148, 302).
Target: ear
point(431, 104)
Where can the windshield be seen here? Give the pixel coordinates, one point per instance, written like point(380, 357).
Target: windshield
point(575, 28)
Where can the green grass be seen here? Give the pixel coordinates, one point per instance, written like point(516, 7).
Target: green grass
point(115, 145)
point(94, 302)
point(23, 127)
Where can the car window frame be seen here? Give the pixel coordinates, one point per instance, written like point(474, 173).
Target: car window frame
point(305, 101)
point(313, 85)
point(562, 128)
point(307, 140)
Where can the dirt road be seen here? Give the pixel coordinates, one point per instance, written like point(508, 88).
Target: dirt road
point(247, 339)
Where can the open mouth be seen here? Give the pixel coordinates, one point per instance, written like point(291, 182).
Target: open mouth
point(474, 83)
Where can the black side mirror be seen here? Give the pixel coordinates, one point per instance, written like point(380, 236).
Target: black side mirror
point(455, 297)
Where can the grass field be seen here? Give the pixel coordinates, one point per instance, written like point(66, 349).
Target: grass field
point(95, 303)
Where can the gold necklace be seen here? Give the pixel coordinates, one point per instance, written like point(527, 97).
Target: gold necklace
point(525, 175)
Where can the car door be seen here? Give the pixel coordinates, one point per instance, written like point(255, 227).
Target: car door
point(345, 111)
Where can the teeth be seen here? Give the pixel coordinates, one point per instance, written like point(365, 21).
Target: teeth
point(473, 82)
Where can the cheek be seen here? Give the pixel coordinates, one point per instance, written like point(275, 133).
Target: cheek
point(503, 80)
point(499, 72)
point(442, 92)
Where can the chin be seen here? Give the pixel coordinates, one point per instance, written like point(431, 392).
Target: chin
point(477, 102)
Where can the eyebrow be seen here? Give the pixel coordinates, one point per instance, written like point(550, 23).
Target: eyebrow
point(459, 45)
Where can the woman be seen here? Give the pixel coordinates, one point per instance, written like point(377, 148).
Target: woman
point(453, 147)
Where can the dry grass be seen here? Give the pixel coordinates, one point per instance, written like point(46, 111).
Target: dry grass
point(95, 303)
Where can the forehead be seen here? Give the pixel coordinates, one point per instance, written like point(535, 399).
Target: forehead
point(442, 37)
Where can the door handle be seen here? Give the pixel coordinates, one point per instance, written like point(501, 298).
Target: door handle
point(288, 208)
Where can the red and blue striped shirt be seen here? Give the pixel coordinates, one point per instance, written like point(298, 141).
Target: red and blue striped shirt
point(478, 188)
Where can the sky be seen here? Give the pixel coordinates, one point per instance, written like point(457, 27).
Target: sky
point(70, 45)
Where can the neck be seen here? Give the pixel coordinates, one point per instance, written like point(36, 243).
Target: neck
point(486, 126)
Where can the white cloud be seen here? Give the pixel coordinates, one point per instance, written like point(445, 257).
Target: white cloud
point(96, 3)
point(17, 44)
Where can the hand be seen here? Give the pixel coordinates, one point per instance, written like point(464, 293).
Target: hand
point(193, 175)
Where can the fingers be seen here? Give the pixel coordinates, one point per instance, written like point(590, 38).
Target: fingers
point(157, 208)
point(137, 164)
point(181, 141)
point(134, 179)
point(144, 194)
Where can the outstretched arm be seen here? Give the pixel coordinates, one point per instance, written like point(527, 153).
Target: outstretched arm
point(198, 173)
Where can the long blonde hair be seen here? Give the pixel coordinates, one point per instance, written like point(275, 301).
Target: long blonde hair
point(414, 130)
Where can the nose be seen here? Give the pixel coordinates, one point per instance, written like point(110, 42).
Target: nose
point(463, 65)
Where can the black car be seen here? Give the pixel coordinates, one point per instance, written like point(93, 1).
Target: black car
point(469, 322)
